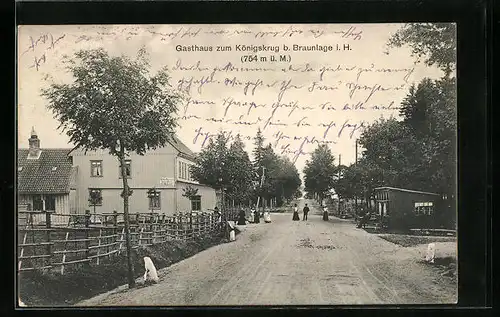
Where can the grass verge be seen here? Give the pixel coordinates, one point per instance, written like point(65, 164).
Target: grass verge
point(78, 283)
point(411, 240)
point(445, 262)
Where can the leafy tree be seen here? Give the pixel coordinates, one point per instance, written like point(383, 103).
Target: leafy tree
point(258, 154)
point(288, 180)
point(319, 172)
point(435, 42)
point(418, 152)
point(391, 149)
point(432, 120)
point(281, 179)
point(189, 192)
point(343, 183)
point(297, 194)
point(430, 109)
point(220, 164)
point(115, 104)
point(211, 168)
point(258, 150)
point(240, 170)
point(263, 164)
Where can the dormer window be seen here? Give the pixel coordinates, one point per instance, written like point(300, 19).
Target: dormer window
point(54, 168)
point(20, 168)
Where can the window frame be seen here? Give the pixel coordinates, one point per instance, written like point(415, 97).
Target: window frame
point(129, 161)
point(37, 199)
point(196, 200)
point(92, 168)
point(100, 191)
point(424, 208)
point(48, 198)
point(152, 199)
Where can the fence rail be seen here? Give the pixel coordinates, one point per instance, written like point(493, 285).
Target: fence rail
point(55, 242)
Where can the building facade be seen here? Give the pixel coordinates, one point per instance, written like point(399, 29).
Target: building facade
point(67, 181)
point(165, 169)
point(45, 178)
point(404, 208)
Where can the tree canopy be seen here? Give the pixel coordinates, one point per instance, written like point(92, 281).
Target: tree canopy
point(211, 168)
point(220, 164)
point(281, 177)
point(240, 171)
point(434, 42)
point(320, 171)
point(114, 104)
point(419, 150)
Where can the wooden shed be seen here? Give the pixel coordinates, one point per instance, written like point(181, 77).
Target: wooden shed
point(400, 208)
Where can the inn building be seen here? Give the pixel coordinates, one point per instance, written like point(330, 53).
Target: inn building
point(62, 180)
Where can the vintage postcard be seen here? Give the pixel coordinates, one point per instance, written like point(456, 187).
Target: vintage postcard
point(233, 164)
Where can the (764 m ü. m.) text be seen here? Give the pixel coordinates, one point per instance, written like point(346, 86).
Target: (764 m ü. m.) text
point(264, 59)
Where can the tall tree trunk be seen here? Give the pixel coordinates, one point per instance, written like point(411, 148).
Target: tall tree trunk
point(130, 267)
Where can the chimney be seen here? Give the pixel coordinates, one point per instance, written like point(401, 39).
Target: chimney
point(34, 142)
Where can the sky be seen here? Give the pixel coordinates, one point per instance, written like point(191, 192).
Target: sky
point(325, 84)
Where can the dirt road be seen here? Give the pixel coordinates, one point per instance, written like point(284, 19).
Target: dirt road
point(294, 263)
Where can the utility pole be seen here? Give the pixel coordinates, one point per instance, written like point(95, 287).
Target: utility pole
point(356, 153)
point(262, 180)
point(338, 195)
point(257, 212)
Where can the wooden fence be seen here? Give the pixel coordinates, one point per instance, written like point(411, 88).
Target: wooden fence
point(50, 241)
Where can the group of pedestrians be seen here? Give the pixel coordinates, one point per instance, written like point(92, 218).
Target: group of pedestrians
point(256, 215)
point(305, 211)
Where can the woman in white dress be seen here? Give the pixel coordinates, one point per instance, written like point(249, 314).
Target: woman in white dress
point(295, 213)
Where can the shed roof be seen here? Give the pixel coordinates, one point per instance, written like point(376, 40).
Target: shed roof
point(49, 174)
point(406, 190)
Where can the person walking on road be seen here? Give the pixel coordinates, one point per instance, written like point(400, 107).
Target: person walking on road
point(306, 211)
point(325, 213)
point(295, 213)
point(256, 216)
point(241, 218)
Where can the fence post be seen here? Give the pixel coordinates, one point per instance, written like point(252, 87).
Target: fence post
point(87, 243)
point(115, 229)
point(198, 225)
point(191, 227)
point(179, 226)
point(49, 247)
point(206, 223)
point(153, 228)
point(163, 229)
point(99, 245)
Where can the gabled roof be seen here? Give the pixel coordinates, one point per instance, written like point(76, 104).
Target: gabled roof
point(175, 142)
point(49, 174)
point(181, 147)
point(406, 190)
